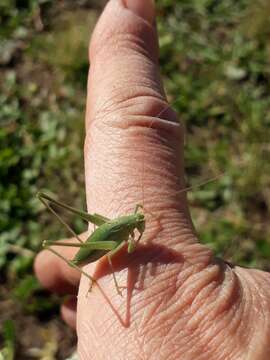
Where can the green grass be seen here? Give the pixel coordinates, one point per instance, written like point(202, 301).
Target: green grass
point(218, 76)
point(215, 64)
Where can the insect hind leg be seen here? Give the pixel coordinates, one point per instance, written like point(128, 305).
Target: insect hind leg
point(71, 264)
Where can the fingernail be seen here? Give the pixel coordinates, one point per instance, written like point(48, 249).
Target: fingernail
point(143, 8)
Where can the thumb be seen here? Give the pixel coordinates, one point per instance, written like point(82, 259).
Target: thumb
point(133, 154)
point(134, 141)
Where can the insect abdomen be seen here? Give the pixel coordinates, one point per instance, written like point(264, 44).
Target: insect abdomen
point(106, 232)
point(85, 256)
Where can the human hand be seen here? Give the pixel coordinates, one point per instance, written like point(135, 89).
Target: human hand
point(180, 302)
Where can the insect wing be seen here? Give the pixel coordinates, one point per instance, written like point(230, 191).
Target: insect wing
point(111, 231)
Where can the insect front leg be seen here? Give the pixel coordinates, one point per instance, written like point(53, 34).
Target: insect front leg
point(132, 242)
point(138, 206)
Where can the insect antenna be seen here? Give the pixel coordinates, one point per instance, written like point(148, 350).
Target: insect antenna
point(202, 183)
point(143, 171)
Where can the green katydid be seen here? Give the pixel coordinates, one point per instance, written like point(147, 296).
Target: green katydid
point(107, 239)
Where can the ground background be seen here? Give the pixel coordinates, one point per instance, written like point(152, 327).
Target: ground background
point(215, 60)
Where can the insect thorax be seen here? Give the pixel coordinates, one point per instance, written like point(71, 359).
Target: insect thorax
point(130, 222)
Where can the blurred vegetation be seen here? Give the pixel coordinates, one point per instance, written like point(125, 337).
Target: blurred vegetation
point(215, 62)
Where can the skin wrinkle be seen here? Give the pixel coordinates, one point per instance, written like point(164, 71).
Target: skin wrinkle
point(161, 173)
point(129, 139)
point(186, 338)
point(134, 262)
point(97, 337)
point(217, 320)
point(222, 296)
point(248, 299)
point(151, 141)
point(150, 129)
point(204, 293)
point(216, 340)
point(119, 91)
point(154, 171)
point(201, 347)
point(105, 108)
point(154, 295)
point(141, 346)
point(210, 309)
point(107, 325)
point(219, 324)
point(120, 342)
point(148, 313)
point(186, 273)
point(221, 355)
point(153, 259)
point(166, 151)
point(159, 336)
point(142, 301)
point(149, 82)
point(248, 281)
point(231, 290)
point(193, 250)
point(212, 336)
point(153, 108)
point(189, 286)
point(163, 342)
point(126, 186)
point(151, 290)
point(175, 300)
point(188, 343)
point(184, 308)
point(84, 351)
point(164, 324)
point(124, 43)
point(183, 347)
point(159, 332)
point(140, 92)
point(259, 317)
point(128, 45)
point(163, 204)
